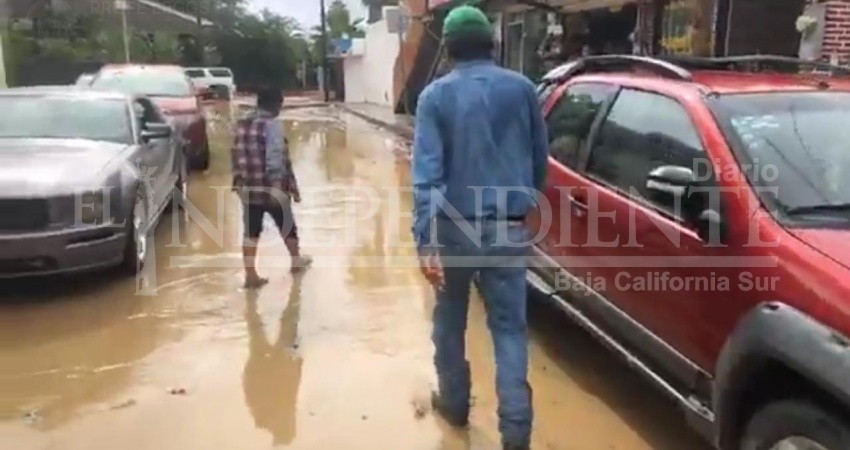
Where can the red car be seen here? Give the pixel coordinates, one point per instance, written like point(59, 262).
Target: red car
point(173, 92)
point(696, 219)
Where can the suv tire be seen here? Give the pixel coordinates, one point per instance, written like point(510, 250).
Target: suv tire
point(795, 421)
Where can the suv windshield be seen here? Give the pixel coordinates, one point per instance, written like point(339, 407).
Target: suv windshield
point(154, 83)
point(794, 148)
point(65, 118)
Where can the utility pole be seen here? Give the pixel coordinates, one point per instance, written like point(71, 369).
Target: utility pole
point(123, 6)
point(199, 33)
point(325, 71)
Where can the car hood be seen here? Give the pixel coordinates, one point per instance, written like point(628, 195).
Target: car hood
point(172, 105)
point(832, 243)
point(46, 167)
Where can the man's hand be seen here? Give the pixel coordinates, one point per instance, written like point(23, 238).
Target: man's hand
point(432, 268)
point(296, 197)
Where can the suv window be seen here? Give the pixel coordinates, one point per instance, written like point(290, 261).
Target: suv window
point(195, 73)
point(221, 73)
point(642, 132)
point(569, 121)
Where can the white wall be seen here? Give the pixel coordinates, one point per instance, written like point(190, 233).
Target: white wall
point(2, 65)
point(369, 67)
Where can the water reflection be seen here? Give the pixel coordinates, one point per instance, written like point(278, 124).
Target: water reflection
point(272, 373)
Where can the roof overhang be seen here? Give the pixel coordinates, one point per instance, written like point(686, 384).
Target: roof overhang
point(586, 5)
point(562, 5)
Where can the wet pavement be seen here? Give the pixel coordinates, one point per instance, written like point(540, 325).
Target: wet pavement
point(336, 358)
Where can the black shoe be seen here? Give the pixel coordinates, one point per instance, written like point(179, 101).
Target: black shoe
point(457, 419)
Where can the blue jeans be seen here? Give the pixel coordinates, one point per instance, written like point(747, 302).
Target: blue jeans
point(502, 270)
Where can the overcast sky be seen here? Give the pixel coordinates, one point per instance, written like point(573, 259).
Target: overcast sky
point(305, 11)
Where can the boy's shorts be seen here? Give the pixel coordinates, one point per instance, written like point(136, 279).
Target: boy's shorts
point(280, 212)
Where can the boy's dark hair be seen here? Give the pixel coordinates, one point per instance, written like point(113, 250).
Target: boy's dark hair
point(269, 98)
point(470, 48)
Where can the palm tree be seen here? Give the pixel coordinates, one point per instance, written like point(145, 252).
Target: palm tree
point(340, 23)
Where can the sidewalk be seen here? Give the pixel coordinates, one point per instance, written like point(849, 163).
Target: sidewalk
point(384, 117)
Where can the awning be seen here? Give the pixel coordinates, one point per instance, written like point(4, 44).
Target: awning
point(585, 5)
point(446, 4)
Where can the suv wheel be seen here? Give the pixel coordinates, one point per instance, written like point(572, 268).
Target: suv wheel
point(136, 247)
point(795, 425)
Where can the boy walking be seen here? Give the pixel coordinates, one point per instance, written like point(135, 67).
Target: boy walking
point(266, 184)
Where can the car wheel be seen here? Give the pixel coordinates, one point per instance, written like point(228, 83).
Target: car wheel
point(136, 247)
point(796, 425)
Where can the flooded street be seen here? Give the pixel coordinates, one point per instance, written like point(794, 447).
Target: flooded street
point(336, 358)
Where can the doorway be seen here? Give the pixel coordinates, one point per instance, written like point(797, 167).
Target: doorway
point(775, 32)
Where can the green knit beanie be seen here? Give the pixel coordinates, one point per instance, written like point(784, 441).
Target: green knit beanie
point(467, 22)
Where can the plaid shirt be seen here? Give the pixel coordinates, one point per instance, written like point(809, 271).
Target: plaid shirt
point(248, 160)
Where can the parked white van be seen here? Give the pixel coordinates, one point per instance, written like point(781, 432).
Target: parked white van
point(219, 80)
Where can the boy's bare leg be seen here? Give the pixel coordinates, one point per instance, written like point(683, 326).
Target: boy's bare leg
point(299, 261)
point(249, 259)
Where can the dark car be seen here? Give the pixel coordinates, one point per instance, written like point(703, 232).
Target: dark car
point(84, 177)
point(173, 92)
point(696, 219)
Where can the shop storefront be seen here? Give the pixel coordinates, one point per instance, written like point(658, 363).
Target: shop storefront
point(523, 33)
point(686, 27)
point(537, 39)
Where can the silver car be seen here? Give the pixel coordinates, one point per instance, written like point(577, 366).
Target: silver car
point(84, 178)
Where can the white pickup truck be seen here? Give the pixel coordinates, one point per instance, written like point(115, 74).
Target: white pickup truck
point(219, 80)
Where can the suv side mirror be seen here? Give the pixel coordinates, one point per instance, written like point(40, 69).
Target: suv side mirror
point(155, 130)
point(672, 185)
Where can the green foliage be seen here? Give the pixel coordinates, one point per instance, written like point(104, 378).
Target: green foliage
point(339, 21)
point(260, 49)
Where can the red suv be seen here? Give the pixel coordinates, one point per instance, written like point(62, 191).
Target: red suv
point(171, 91)
point(696, 219)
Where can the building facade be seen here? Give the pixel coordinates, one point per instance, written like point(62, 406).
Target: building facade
point(535, 35)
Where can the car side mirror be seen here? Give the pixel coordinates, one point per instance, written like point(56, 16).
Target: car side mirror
point(155, 130)
point(673, 186)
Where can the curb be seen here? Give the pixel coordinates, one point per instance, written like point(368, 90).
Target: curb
point(401, 130)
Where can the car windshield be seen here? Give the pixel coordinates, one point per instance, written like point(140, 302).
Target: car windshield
point(155, 83)
point(84, 79)
point(793, 147)
point(65, 117)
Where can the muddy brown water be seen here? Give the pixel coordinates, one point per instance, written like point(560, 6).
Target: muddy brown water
point(336, 358)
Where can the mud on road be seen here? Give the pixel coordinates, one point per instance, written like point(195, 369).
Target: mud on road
point(337, 358)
